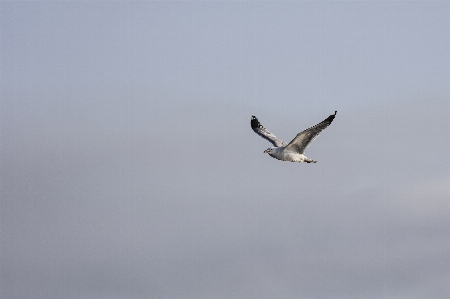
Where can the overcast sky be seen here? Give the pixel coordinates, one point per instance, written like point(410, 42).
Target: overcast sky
point(129, 169)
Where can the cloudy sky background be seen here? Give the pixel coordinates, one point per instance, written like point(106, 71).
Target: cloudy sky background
point(129, 169)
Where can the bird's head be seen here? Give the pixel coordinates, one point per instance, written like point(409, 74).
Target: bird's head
point(268, 150)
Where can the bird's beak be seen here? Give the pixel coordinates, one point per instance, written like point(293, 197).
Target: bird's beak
point(266, 151)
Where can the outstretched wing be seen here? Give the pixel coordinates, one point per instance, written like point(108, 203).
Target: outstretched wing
point(264, 133)
point(304, 139)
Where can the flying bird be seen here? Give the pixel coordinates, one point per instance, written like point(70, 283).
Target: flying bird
point(294, 151)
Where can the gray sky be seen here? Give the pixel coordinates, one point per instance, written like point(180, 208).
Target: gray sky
point(129, 169)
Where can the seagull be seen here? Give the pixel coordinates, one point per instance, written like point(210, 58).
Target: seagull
point(294, 151)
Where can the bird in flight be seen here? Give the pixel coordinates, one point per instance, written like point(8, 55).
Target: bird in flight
point(294, 151)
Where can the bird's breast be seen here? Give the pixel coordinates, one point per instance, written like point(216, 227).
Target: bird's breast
point(288, 156)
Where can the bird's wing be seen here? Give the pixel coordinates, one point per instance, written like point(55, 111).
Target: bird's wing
point(264, 133)
point(304, 139)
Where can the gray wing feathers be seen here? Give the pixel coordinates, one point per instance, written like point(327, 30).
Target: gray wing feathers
point(264, 133)
point(304, 139)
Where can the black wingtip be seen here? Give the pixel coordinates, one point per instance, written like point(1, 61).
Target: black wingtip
point(330, 118)
point(254, 123)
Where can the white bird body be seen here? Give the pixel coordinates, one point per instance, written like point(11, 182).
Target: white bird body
point(294, 151)
point(283, 155)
